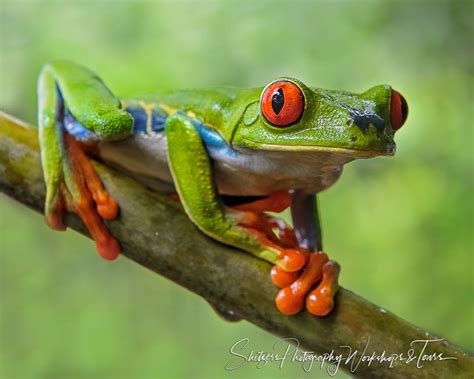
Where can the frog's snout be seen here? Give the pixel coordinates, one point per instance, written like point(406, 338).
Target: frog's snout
point(380, 114)
point(391, 109)
point(398, 110)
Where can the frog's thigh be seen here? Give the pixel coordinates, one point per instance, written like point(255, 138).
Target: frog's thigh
point(50, 114)
point(192, 174)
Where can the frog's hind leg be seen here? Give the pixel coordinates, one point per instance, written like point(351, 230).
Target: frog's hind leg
point(71, 181)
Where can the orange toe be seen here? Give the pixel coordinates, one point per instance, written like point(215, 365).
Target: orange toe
point(283, 278)
point(108, 208)
point(320, 301)
point(288, 302)
point(292, 260)
point(54, 217)
point(55, 222)
point(109, 249)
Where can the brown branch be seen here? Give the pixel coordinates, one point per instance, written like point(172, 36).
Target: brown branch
point(155, 233)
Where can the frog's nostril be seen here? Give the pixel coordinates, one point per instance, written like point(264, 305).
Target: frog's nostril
point(398, 110)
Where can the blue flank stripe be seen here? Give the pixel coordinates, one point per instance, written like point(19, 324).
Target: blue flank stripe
point(158, 119)
point(139, 118)
point(75, 128)
point(215, 144)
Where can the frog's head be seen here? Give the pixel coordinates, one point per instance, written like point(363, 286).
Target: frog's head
point(292, 116)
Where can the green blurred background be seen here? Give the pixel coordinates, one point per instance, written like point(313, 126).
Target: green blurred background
point(401, 227)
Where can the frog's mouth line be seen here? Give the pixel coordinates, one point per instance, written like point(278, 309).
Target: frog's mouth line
point(360, 153)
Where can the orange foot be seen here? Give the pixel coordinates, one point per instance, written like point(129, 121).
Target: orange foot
point(298, 270)
point(290, 299)
point(84, 194)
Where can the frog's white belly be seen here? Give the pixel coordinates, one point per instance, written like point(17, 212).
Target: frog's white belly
point(248, 172)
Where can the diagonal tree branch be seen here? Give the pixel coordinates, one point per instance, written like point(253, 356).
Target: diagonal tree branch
point(155, 233)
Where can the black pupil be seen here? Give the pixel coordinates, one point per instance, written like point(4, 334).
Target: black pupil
point(278, 100)
point(404, 108)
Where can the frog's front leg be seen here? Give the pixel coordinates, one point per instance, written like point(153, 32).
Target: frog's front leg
point(193, 178)
point(69, 90)
point(247, 226)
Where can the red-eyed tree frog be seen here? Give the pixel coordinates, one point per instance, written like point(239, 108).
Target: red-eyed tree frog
point(230, 155)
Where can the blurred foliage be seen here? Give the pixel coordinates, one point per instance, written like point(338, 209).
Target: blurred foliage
point(402, 228)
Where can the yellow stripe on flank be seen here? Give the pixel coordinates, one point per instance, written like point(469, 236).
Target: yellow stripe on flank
point(148, 110)
point(170, 111)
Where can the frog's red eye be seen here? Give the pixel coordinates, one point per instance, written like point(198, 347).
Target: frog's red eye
point(282, 103)
point(398, 110)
